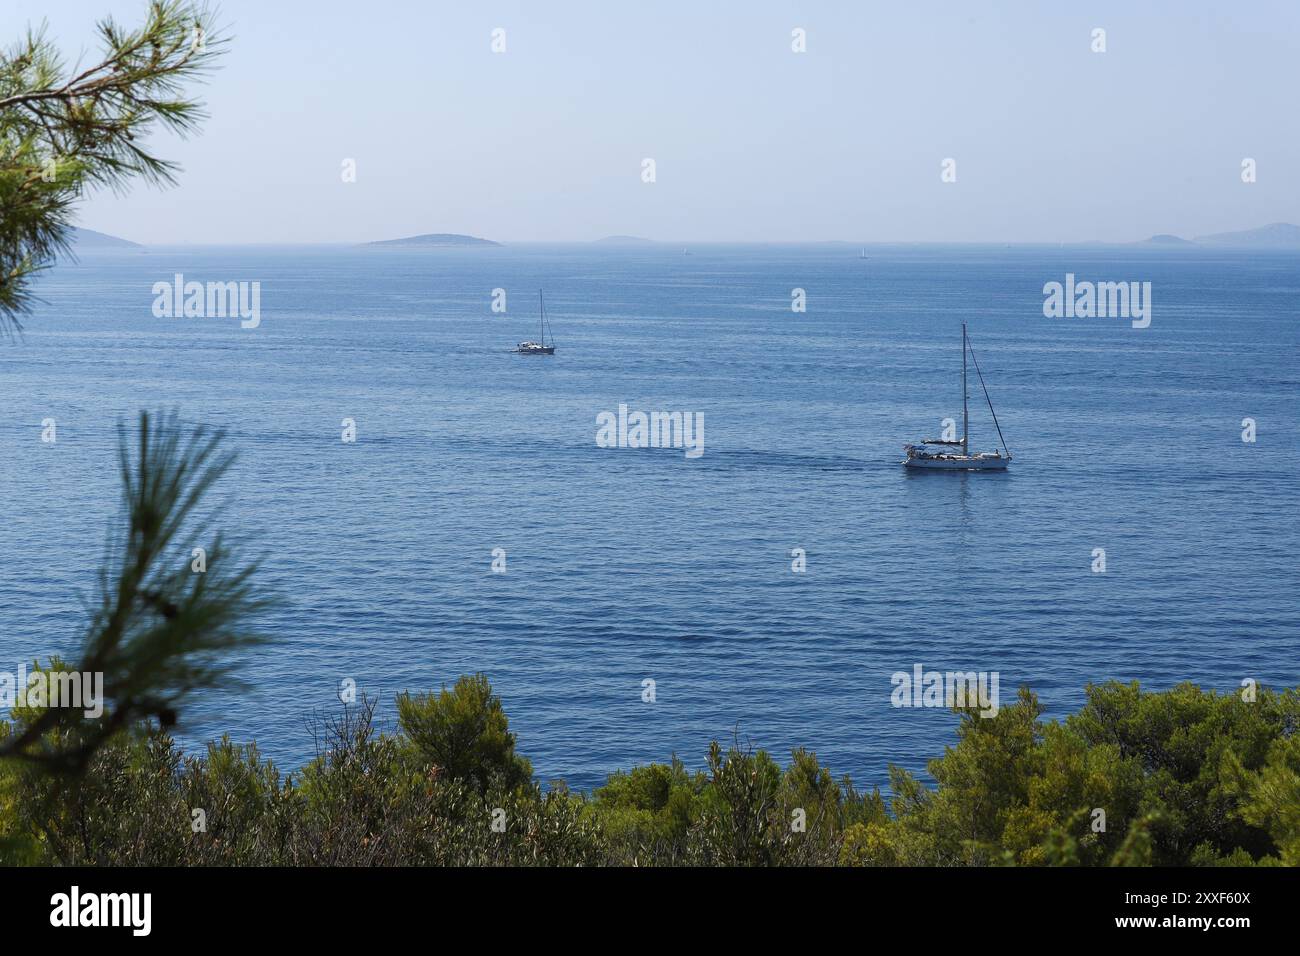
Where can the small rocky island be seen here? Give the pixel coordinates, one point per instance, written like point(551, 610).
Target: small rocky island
point(88, 238)
point(436, 239)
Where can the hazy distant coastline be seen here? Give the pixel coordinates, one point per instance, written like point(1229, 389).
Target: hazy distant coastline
point(1277, 235)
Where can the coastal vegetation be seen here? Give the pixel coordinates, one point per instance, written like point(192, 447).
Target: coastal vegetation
point(1182, 777)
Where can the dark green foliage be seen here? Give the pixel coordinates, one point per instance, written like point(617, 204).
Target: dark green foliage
point(1196, 753)
point(464, 734)
point(1184, 777)
point(646, 813)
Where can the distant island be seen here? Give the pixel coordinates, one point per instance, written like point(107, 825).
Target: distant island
point(1274, 234)
point(89, 239)
point(435, 239)
point(1277, 235)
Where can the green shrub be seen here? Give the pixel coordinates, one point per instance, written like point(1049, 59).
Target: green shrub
point(1183, 777)
point(464, 733)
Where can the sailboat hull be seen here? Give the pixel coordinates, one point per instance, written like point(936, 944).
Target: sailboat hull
point(960, 463)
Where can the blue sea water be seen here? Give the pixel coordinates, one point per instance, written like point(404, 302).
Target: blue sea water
point(627, 564)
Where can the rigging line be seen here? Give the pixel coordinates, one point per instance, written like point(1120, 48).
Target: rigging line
point(547, 320)
point(989, 400)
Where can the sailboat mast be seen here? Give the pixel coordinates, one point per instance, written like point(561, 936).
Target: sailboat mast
point(965, 413)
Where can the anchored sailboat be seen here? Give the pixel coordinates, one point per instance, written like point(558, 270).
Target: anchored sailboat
point(930, 453)
point(539, 348)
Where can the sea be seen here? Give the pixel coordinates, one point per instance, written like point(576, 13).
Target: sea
point(765, 593)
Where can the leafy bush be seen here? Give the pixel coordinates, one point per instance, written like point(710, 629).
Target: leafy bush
point(1183, 777)
point(464, 733)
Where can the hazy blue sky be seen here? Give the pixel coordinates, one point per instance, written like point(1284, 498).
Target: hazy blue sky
point(752, 141)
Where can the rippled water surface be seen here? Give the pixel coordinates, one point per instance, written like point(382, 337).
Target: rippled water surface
point(629, 564)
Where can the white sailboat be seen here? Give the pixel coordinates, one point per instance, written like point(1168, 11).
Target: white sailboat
point(539, 348)
point(930, 452)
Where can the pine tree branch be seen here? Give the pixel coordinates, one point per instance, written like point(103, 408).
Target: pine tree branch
point(62, 132)
point(162, 630)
